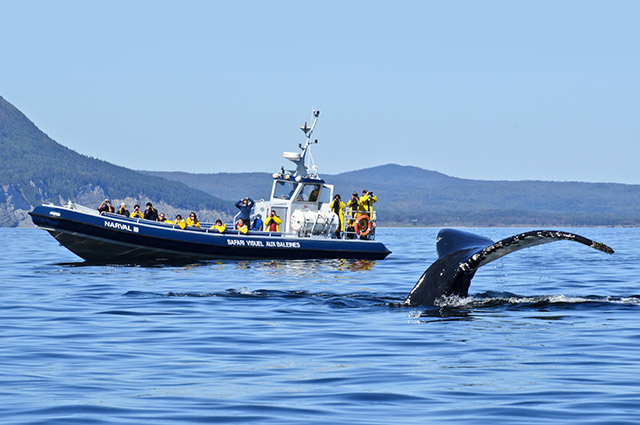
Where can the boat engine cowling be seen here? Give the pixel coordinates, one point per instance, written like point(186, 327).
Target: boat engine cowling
point(314, 222)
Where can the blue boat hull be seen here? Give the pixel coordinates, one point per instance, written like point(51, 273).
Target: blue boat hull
point(116, 239)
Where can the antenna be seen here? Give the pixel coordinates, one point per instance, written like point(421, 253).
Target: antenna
point(300, 159)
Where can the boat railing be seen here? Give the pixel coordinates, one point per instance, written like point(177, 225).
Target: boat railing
point(348, 232)
point(353, 218)
point(204, 226)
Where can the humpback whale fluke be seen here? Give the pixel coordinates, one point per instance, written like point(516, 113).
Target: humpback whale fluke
point(460, 254)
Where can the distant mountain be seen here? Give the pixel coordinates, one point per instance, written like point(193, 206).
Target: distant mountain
point(415, 196)
point(228, 186)
point(35, 169)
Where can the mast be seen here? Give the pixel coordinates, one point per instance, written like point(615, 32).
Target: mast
point(300, 159)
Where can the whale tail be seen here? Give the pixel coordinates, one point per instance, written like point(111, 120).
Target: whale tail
point(460, 254)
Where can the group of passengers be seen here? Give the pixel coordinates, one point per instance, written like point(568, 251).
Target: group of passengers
point(271, 224)
point(358, 206)
point(151, 213)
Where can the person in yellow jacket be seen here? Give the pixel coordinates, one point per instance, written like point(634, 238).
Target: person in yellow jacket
point(178, 222)
point(337, 206)
point(136, 212)
point(192, 220)
point(354, 207)
point(218, 226)
point(272, 223)
point(366, 202)
point(241, 226)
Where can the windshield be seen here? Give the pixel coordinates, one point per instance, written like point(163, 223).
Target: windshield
point(284, 189)
point(309, 193)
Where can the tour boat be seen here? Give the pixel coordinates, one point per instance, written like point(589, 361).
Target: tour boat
point(300, 198)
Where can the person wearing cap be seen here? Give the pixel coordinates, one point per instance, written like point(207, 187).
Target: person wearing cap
point(105, 206)
point(123, 210)
point(366, 202)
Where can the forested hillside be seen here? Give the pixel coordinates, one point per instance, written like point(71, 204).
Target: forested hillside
point(414, 196)
point(36, 169)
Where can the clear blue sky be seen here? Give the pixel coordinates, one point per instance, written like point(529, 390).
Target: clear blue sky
point(499, 90)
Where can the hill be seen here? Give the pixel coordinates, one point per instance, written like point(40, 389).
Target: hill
point(36, 169)
point(414, 196)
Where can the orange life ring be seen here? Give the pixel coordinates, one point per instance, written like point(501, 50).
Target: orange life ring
point(367, 224)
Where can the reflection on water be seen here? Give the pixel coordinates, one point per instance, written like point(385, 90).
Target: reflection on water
point(306, 341)
point(297, 267)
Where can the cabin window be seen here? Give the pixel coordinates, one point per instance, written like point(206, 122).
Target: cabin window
point(325, 195)
point(284, 189)
point(309, 193)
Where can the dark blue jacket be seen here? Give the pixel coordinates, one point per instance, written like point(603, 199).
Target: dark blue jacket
point(245, 212)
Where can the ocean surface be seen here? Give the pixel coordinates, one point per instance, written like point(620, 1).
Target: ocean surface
point(548, 335)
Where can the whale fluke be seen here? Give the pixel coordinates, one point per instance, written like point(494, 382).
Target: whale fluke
point(460, 254)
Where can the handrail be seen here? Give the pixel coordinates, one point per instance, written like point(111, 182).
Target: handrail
point(346, 234)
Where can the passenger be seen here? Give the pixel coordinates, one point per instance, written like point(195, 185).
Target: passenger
point(192, 220)
point(245, 205)
point(150, 213)
point(161, 218)
point(105, 206)
point(241, 226)
point(178, 221)
point(366, 202)
point(218, 226)
point(257, 223)
point(337, 206)
point(272, 224)
point(354, 207)
point(123, 210)
point(136, 212)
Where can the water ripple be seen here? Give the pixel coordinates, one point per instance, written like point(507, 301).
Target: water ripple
point(546, 336)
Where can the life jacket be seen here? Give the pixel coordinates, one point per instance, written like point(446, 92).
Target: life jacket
point(220, 228)
point(366, 202)
point(273, 224)
point(182, 224)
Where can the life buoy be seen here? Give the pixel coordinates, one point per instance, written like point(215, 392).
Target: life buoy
point(363, 221)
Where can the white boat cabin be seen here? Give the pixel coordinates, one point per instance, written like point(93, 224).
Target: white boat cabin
point(300, 198)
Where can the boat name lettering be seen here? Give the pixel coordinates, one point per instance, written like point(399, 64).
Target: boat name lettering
point(279, 244)
point(235, 242)
point(119, 226)
point(261, 244)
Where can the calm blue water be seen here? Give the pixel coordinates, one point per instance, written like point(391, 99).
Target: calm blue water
point(549, 335)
